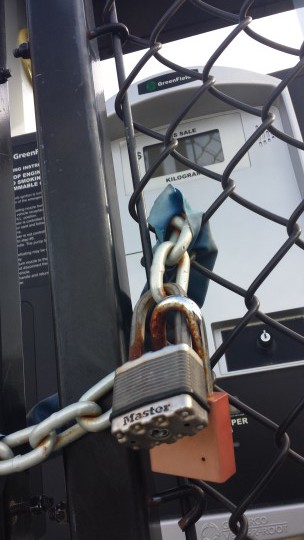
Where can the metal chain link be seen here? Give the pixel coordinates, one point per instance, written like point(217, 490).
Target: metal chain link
point(87, 414)
point(43, 437)
point(172, 252)
point(182, 238)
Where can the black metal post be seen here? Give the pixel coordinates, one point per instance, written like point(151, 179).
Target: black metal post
point(87, 265)
point(10, 314)
point(11, 359)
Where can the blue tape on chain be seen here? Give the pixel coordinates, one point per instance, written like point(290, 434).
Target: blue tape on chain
point(42, 410)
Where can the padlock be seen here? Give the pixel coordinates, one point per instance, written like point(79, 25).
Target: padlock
point(196, 327)
point(160, 396)
point(208, 455)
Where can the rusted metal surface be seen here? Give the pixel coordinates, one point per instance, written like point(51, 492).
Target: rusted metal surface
point(140, 315)
point(182, 242)
point(138, 326)
point(43, 437)
point(194, 319)
point(160, 259)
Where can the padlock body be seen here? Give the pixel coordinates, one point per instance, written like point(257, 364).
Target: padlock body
point(159, 398)
point(209, 455)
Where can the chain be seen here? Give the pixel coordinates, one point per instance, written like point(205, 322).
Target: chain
point(172, 252)
point(43, 437)
point(86, 413)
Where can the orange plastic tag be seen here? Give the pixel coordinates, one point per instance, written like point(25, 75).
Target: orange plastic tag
point(209, 455)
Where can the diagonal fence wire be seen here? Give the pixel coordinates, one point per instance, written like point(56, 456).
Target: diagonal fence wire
point(282, 451)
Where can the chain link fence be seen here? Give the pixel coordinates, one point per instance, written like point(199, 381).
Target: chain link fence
point(265, 119)
point(43, 438)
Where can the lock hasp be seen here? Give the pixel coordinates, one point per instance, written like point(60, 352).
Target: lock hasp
point(209, 455)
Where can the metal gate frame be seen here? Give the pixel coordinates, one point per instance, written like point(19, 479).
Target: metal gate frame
point(91, 303)
point(12, 402)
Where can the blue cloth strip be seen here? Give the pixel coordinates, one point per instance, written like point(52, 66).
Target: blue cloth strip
point(168, 204)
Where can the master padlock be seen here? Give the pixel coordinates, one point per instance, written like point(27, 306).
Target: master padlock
point(208, 455)
point(160, 396)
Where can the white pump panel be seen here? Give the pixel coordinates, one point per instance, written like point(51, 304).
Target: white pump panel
point(269, 175)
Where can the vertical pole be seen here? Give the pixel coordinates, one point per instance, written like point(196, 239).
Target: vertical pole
point(10, 314)
point(11, 353)
point(131, 145)
point(90, 292)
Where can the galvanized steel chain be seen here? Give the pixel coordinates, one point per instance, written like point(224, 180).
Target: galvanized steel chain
point(172, 252)
point(44, 437)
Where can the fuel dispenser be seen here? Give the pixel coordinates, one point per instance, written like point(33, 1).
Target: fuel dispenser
point(263, 367)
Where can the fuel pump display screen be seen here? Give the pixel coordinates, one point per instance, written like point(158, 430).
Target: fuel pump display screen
point(202, 148)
